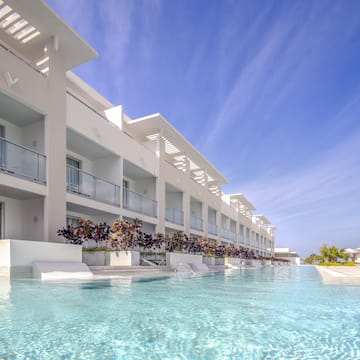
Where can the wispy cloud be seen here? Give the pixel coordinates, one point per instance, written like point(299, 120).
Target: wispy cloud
point(107, 27)
point(287, 55)
point(314, 202)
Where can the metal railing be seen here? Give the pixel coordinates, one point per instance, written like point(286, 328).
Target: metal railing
point(84, 184)
point(21, 161)
point(212, 229)
point(196, 223)
point(174, 216)
point(139, 203)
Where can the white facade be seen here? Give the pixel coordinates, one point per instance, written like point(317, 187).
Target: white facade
point(68, 153)
point(288, 255)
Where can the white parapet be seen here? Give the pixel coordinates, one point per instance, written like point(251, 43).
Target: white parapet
point(124, 258)
point(232, 261)
point(61, 270)
point(17, 256)
point(111, 258)
point(173, 259)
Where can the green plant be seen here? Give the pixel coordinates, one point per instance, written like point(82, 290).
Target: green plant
point(332, 254)
point(96, 248)
point(349, 263)
point(152, 253)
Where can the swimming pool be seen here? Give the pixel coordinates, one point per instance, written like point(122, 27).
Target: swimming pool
point(270, 313)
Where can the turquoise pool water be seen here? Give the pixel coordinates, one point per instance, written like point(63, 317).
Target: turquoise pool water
point(274, 313)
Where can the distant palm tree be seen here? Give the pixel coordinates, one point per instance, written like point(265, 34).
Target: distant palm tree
point(332, 254)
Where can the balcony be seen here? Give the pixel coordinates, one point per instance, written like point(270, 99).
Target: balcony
point(232, 235)
point(226, 234)
point(174, 216)
point(84, 184)
point(196, 223)
point(212, 229)
point(241, 239)
point(22, 162)
point(139, 203)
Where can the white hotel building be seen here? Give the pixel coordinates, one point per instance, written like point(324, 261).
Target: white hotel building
point(67, 153)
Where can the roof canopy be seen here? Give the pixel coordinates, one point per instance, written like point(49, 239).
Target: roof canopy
point(241, 197)
point(156, 123)
point(263, 218)
point(27, 26)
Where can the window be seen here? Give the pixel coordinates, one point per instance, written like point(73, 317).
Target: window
point(73, 167)
point(72, 220)
point(2, 147)
point(125, 193)
point(1, 220)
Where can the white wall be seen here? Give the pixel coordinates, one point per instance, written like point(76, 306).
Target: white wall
point(224, 222)
point(23, 219)
point(33, 136)
point(108, 168)
point(146, 187)
point(196, 208)
point(212, 216)
point(86, 122)
point(12, 132)
point(12, 218)
point(32, 227)
point(174, 200)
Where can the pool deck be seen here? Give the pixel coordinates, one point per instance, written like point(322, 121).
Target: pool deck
point(339, 274)
point(112, 272)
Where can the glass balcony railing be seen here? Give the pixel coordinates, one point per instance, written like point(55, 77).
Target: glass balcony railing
point(174, 216)
point(227, 234)
point(241, 239)
point(21, 161)
point(139, 203)
point(196, 223)
point(224, 233)
point(81, 183)
point(232, 235)
point(212, 229)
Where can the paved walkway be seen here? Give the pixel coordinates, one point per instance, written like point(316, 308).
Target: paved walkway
point(339, 274)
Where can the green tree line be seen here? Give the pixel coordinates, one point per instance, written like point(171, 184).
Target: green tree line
point(328, 255)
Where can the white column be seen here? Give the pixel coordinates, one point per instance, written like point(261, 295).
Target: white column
point(160, 184)
point(55, 145)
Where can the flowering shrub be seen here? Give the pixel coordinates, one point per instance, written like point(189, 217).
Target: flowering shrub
point(121, 235)
point(125, 235)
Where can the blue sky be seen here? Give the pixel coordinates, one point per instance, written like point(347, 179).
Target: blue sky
point(268, 91)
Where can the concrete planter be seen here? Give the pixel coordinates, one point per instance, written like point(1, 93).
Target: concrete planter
point(111, 258)
point(232, 261)
point(94, 258)
point(173, 259)
point(249, 262)
point(209, 260)
point(258, 263)
point(219, 261)
point(123, 258)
